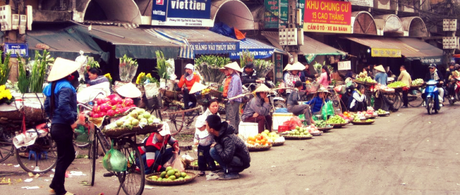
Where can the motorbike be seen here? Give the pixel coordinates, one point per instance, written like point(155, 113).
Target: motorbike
point(432, 97)
point(456, 96)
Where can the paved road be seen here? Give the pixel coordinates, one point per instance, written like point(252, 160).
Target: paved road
point(408, 152)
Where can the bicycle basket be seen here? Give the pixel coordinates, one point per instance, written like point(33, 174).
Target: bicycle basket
point(312, 87)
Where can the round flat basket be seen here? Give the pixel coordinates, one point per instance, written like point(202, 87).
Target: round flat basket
point(278, 143)
point(296, 137)
point(192, 175)
point(192, 166)
point(325, 129)
point(259, 148)
point(384, 114)
point(338, 125)
point(362, 122)
point(133, 131)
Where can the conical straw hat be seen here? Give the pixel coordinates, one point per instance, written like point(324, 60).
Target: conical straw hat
point(129, 90)
point(62, 68)
point(287, 67)
point(234, 66)
point(297, 66)
point(197, 87)
point(379, 68)
point(262, 88)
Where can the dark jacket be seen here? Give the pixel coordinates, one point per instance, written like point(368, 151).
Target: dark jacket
point(293, 98)
point(65, 110)
point(306, 74)
point(247, 78)
point(232, 149)
point(428, 76)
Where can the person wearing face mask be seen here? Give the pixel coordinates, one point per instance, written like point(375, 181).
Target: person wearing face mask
point(186, 82)
point(434, 74)
point(61, 107)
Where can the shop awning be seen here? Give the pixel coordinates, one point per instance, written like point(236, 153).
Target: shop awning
point(257, 48)
point(410, 48)
point(310, 49)
point(65, 43)
point(197, 41)
point(135, 43)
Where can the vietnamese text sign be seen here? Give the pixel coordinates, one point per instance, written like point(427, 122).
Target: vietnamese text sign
point(16, 48)
point(382, 52)
point(214, 48)
point(344, 65)
point(278, 67)
point(327, 16)
point(432, 60)
point(271, 14)
point(182, 13)
point(257, 53)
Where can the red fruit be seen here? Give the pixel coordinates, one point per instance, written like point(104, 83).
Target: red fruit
point(116, 100)
point(96, 115)
point(105, 107)
point(128, 101)
point(91, 114)
point(110, 112)
point(119, 106)
point(99, 101)
point(119, 111)
point(112, 96)
point(95, 108)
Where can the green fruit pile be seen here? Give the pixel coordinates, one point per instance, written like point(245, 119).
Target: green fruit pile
point(136, 118)
point(170, 175)
point(397, 84)
point(336, 120)
point(321, 124)
point(380, 111)
point(299, 131)
point(417, 82)
point(365, 79)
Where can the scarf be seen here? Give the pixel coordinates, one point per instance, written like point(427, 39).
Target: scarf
point(189, 77)
point(435, 75)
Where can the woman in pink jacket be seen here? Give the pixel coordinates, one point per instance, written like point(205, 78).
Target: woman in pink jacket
point(325, 78)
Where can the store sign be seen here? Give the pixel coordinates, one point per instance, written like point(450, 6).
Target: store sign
point(284, 10)
point(364, 3)
point(382, 52)
point(327, 16)
point(214, 48)
point(182, 13)
point(344, 65)
point(432, 60)
point(257, 53)
point(16, 48)
point(278, 67)
point(271, 14)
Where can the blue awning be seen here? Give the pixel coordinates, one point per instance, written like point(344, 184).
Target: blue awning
point(197, 41)
point(259, 49)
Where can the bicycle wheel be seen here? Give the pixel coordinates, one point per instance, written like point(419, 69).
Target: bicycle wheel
point(38, 158)
point(133, 179)
point(397, 102)
point(415, 98)
point(6, 144)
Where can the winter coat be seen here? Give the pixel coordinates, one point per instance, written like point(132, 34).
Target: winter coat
point(247, 78)
point(232, 149)
point(256, 105)
point(150, 146)
point(188, 84)
point(65, 103)
point(405, 78)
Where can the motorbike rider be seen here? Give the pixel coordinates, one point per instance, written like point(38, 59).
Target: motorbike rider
point(434, 74)
point(249, 76)
point(450, 80)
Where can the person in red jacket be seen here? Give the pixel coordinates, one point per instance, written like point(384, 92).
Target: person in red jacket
point(186, 82)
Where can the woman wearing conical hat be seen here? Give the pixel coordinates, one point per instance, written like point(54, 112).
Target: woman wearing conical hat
point(258, 109)
point(61, 108)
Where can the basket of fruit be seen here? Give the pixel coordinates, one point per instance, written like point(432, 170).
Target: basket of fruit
point(278, 143)
point(417, 83)
point(381, 112)
point(194, 165)
point(337, 121)
point(136, 122)
point(259, 147)
point(323, 126)
point(170, 177)
point(362, 122)
point(298, 133)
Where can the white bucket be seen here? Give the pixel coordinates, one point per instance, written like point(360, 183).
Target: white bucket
point(247, 129)
point(280, 118)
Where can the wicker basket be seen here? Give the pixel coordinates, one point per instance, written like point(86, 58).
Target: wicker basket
point(133, 131)
point(259, 148)
point(193, 175)
point(291, 137)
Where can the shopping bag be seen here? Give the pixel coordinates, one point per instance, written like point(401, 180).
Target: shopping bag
point(114, 160)
point(327, 110)
point(175, 162)
point(293, 123)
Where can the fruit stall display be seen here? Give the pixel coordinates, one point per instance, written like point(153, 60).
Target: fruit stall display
point(258, 142)
point(337, 121)
point(112, 106)
point(298, 133)
point(397, 84)
point(417, 83)
point(364, 79)
point(381, 112)
point(170, 177)
point(323, 126)
point(138, 121)
point(274, 138)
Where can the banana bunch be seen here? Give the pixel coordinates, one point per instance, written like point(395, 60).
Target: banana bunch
point(205, 91)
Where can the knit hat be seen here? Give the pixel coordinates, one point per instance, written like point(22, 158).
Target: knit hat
point(190, 66)
point(214, 122)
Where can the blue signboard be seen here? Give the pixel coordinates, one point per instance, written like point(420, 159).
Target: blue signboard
point(258, 53)
point(214, 48)
point(181, 9)
point(16, 48)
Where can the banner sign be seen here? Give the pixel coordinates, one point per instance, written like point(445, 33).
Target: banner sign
point(182, 13)
point(278, 67)
point(382, 52)
point(16, 48)
point(284, 10)
point(214, 48)
point(344, 65)
point(257, 53)
point(432, 60)
point(364, 3)
point(327, 16)
point(271, 14)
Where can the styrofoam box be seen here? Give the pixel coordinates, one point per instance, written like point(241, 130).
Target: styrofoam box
point(247, 129)
point(280, 118)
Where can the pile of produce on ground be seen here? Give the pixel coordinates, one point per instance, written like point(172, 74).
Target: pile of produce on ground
point(321, 124)
point(313, 130)
point(259, 140)
point(380, 111)
point(346, 116)
point(112, 105)
point(299, 132)
point(384, 88)
point(136, 118)
point(417, 82)
point(170, 175)
point(272, 136)
point(336, 120)
point(397, 84)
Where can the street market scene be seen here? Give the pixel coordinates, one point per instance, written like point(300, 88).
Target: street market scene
point(229, 97)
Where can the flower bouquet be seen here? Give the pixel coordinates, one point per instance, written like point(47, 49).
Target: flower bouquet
point(127, 68)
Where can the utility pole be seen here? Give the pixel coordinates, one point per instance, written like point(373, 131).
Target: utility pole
point(293, 49)
point(291, 36)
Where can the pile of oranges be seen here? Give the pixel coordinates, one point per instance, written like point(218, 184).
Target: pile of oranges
point(258, 140)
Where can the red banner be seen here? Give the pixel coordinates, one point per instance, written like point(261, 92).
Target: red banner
point(327, 16)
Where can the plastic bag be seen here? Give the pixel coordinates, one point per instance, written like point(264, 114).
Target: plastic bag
point(293, 123)
point(175, 162)
point(114, 160)
point(327, 110)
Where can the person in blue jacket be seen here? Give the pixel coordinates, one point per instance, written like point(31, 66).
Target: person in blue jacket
point(61, 108)
point(318, 101)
